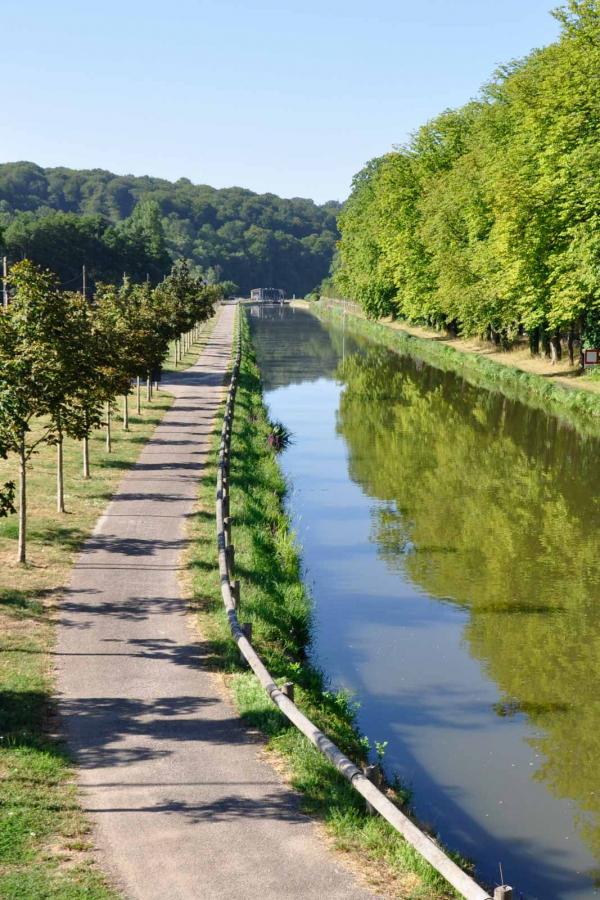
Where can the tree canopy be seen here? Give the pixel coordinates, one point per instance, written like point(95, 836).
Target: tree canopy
point(487, 221)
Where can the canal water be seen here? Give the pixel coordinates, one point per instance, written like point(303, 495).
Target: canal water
point(450, 542)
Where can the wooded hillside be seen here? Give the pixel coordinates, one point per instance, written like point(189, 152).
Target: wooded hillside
point(62, 218)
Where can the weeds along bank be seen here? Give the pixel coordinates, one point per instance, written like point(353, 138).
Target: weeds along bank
point(274, 600)
point(579, 409)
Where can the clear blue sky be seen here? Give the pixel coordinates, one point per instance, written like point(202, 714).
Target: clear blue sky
point(291, 97)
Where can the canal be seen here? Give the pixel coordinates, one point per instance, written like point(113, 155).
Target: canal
point(450, 543)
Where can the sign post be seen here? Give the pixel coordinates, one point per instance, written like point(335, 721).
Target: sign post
point(591, 359)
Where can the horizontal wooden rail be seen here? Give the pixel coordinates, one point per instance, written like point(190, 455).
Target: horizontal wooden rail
point(428, 849)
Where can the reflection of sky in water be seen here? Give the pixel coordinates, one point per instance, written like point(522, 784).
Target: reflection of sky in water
point(406, 657)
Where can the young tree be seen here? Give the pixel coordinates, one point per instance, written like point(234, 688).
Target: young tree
point(77, 411)
point(34, 369)
point(113, 346)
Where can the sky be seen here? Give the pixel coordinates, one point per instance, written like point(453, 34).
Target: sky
point(291, 97)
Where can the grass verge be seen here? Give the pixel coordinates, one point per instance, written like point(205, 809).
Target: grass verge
point(579, 407)
point(44, 836)
point(274, 599)
point(191, 355)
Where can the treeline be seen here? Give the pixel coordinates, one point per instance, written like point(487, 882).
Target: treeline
point(487, 221)
point(139, 225)
point(65, 359)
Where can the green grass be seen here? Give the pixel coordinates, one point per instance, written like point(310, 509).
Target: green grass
point(192, 353)
point(274, 599)
point(44, 836)
point(578, 407)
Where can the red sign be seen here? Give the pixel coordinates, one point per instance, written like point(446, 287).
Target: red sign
point(591, 357)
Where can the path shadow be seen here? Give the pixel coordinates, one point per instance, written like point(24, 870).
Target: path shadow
point(109, 543)
point(117, 731)
point(275, 805)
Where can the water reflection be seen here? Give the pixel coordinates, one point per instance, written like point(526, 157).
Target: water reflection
point(449, 536)
point(494, 506)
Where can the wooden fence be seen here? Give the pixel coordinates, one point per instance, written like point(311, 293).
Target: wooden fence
point(282, 696)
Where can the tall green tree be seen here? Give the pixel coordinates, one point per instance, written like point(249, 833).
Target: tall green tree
point(487, 221)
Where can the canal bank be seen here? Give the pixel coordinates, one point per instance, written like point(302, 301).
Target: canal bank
point(449, 541)
point(575, 399)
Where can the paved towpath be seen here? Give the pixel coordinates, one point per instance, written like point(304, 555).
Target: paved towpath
point(181, 802)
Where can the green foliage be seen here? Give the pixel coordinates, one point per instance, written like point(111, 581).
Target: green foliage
point(63, 358)
point(487, 221)
point(62, 218)
point(65, 241)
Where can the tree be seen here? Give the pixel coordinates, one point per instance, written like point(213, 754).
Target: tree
point(35, 370)
point(184, 300)
point(77, 410)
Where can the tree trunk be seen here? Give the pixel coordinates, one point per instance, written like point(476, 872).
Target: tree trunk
point(22, 548)
point(149, 389)
point(125, 412)
point(86, 457)
point(534, 341)
point(139, 396)
point(545, 343)
point(555, 348)
point(175, 352)
point(571, 346)
point(108, 434)
point(60, 476)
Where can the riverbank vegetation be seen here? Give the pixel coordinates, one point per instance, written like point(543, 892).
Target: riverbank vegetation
point(579, 408)
point(275, 601)
point(486, 221)
point(65, 218)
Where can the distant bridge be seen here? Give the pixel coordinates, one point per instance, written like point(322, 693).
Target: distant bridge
point(267, 295)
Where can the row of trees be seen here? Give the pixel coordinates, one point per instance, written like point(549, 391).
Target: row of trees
point(64, 360)
point(487, 221)
point(234, 234)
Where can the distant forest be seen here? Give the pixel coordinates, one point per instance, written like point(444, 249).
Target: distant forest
point(63, 218)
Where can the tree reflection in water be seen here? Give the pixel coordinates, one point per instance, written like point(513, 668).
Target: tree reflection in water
point(496, 507)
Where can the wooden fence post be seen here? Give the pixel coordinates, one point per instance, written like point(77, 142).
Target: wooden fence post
point(288, 690)
point(375, 775)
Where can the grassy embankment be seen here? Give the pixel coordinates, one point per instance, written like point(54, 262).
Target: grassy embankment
point(576, 400)
point(274, 599)
point(44, 836)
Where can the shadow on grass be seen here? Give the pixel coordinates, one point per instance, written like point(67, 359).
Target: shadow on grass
point(71, 538)
point(23, 605)
point(27, 717)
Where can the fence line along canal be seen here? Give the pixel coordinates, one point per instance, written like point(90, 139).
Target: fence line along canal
point(282, 697)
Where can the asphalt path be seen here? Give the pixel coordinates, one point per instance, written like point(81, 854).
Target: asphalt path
point(182, 802)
